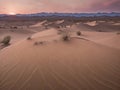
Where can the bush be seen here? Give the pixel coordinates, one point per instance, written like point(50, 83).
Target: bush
point(6, 40)
point(29, 38)
point(118, 33)
point(36, 43)
point(78, 33)
point(39, 43)
point(66, 37)
point(99, 30)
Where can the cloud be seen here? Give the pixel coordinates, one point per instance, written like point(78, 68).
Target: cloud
point(33, 6)
point(107, 5)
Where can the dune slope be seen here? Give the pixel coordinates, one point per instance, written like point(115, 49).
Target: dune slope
point(75, 65)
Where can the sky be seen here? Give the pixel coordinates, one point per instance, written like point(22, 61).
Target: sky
point(70, 6)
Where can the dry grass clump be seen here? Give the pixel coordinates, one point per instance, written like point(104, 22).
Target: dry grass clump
point(118, 33)
point(39, 43)
point(29, 38)
point(6, 40)
point(78, 33)
point(36, 43)
point(66, 37)
point(99, 30)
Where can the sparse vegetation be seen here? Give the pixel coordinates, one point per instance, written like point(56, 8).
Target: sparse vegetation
point(6, 40)
point(29, 38)
point(36, 43)
point(65, 34)
point(118, 33)
point(78, 33)
point(66, 37)
point(41, 42)
point(99, 30)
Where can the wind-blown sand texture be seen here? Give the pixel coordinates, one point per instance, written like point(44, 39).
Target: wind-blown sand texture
point(75, 65)
point(90, 61)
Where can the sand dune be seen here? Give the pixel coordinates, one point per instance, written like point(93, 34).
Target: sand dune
point(75, 65)
point(93, 23)
point(59, 21)
point(16, 35)
point(87, 62)
point(39, 24)
point(98, 26)
point(110, 39)
point(20, 32)
point(117, 24)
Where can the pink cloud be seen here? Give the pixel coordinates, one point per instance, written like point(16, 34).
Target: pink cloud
point(34, 6)
point(110, 2)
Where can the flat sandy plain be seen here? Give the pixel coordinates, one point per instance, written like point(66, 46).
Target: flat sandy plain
point(90, 61)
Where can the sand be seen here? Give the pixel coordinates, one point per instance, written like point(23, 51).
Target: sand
point(75, 65)
point(87, 62)
point(117, 24)
point(21, 32)
point(110, 39)
point(39, 24)
point(93, 23)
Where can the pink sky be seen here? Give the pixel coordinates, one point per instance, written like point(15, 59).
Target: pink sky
point(36, 6)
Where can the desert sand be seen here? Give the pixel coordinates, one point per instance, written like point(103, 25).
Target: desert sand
point(90, 61)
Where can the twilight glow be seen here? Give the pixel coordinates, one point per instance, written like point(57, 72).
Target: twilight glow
point(36, 6)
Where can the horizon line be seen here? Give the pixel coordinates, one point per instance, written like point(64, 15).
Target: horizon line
point(60, 12)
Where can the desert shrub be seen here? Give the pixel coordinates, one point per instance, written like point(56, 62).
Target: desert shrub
point(6, 40)
point(78, 33)
point(118, 33)
point(36, 43)
point(29, 38)
point(15, 27)
point(39, 43)
point(99, 30)
point(66, 37)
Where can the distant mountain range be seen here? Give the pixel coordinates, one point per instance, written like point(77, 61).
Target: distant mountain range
point(65, 14)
